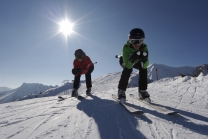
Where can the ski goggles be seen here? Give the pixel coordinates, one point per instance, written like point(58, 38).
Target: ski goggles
point(136, 41)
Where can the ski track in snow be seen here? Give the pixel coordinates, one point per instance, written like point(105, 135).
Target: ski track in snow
point(100, 117)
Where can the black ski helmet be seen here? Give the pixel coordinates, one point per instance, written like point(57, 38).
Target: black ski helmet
point(79, 54)
point(136, 33)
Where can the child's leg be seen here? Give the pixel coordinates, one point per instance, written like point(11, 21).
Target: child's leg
point(76, 81)
point(88, 77)
point(142, 81)
point(124, 80)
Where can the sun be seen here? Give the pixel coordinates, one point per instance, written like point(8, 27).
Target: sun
point(66, 27)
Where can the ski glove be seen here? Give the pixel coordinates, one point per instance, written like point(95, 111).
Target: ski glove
point(139, 55)
point(76, 71)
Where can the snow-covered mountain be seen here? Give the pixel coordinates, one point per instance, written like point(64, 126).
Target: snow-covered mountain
point(65, 89)
point(2, 89)
point(35, 90)
point(159, 71)
point(24, 90)
point(100, 117)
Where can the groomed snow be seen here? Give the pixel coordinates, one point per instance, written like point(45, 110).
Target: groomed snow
point(100, 117)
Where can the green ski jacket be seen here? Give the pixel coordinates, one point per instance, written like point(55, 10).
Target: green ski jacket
point(127, 51)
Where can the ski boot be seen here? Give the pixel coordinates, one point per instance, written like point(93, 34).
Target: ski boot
point(74, 93)
point(144, 95)
point(88, 91)
point(122, 96)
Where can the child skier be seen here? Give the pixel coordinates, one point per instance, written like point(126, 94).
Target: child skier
point(134, 55)
point(82, 65)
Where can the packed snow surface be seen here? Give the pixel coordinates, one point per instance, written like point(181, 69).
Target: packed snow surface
point(100, 117)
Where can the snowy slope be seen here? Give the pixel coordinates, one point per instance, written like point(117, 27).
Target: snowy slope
point(100, 117)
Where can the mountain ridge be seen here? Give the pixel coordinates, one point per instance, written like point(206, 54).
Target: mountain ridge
point(34, 90)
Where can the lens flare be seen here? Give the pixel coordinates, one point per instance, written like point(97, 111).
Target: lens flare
point(66, 27)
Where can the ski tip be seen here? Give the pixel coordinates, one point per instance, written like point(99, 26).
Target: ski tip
point(172, 113)
point(138, 112)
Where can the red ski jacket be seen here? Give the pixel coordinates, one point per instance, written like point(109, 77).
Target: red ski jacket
point(84, 65)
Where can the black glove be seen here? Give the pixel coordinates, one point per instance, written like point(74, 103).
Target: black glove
point(144, 56)
point(76, 71)
point(141, 55)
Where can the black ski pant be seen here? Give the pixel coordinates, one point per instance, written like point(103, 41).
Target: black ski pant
point(87, 78)
point(142, 79)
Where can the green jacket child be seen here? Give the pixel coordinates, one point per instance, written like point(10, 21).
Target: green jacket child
point(134, 55)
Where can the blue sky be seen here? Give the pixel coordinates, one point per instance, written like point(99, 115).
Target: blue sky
point(33, 51)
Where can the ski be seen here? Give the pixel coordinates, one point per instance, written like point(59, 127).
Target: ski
point(133, 111)
point(60, 98)
point(155, 107)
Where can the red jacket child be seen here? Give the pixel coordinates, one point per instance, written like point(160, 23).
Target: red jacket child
point(83, 66)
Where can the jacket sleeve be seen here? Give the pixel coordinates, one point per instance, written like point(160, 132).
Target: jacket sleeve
point(89, 64)
point(126, 55)
point(76, 66)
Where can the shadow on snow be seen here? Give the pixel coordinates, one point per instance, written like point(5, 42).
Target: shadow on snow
point(179, 118)
point(112, 120)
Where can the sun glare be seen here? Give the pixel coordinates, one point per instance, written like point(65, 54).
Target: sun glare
point(66, 27)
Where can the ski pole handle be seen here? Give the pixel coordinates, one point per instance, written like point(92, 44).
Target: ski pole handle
point(118, 56)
